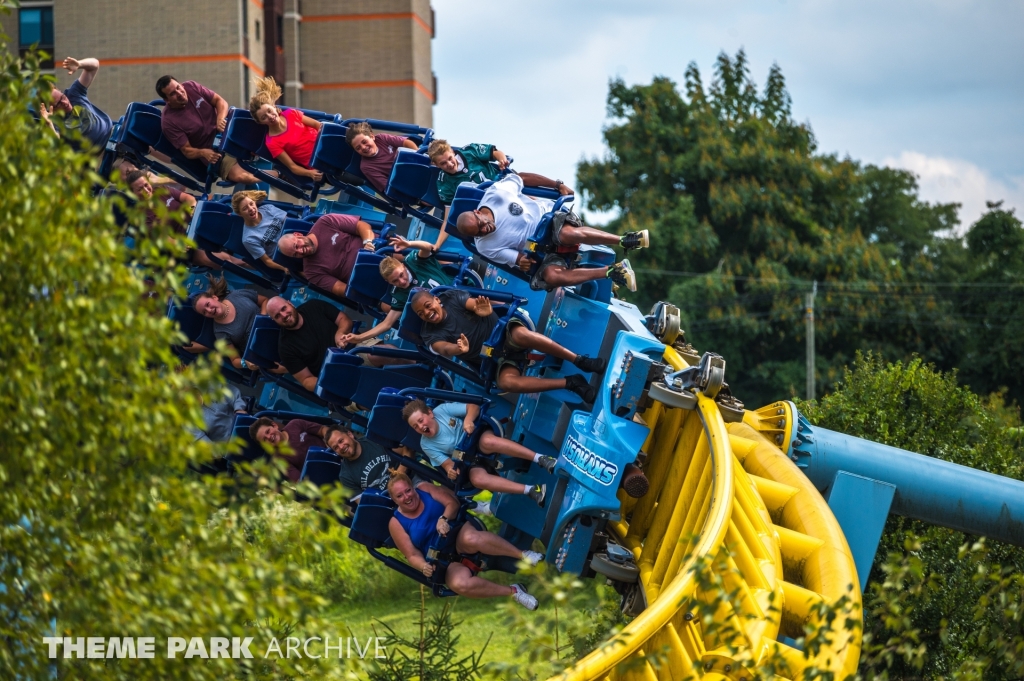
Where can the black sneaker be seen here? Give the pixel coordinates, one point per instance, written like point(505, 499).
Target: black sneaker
point(622, 274)
point(577, 384)
point(538, 493)
point(633, 240)
point(590, 364)
point(547, 463)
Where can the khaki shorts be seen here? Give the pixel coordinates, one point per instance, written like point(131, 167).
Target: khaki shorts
point(227, 162)
point(368, 343)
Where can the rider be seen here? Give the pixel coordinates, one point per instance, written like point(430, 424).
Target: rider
point(424, 514)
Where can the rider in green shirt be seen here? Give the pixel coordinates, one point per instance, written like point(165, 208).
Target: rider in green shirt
point(418, 269)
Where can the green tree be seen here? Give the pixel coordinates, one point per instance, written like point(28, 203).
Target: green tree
point(990, 302)
point(103, 530)
point(966, 602)
point(745, 214)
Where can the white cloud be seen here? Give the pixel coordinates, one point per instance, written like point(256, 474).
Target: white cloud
point(945, 180)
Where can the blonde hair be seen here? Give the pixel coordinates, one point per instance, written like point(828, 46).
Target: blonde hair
point(256, 196)
point(389, 266)
point(267, 92)
point(438, 148)
point(396, 478)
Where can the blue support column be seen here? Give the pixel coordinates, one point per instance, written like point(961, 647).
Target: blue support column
point(861, 506)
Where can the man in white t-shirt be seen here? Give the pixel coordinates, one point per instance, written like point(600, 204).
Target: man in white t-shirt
point(505, 220)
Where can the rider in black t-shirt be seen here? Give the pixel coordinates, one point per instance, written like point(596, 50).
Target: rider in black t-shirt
point(457, 324)
point(306, 333)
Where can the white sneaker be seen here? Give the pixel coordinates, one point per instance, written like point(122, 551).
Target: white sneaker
point(532, 557)
point(483, 508)
point(523, 598)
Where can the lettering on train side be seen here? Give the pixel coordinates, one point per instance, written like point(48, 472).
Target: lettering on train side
point(589, 463)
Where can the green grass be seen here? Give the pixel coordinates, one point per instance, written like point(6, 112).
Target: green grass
point(482, 622)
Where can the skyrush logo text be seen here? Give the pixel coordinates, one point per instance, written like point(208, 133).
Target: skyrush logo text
point(589, 463)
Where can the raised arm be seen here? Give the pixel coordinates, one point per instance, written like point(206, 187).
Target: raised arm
point(535, 180)
point(499, 156)
point(442, 236)
point(447, 349)
point(88, 66)
point(481, 306)
point(426, 249)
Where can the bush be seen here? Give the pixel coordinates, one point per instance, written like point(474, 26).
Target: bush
point(103, 531)
point(912, 406)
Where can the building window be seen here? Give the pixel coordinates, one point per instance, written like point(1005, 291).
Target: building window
point(258, 30)
point(35, 28)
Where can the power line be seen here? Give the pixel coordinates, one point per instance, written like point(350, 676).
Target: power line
point(829, 284)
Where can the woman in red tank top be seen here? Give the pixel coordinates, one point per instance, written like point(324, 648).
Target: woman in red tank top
point(292, 136)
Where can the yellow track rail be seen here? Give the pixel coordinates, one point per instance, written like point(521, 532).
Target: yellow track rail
point(725, 497)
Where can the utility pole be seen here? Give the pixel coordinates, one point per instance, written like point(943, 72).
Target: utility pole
point(809, 318)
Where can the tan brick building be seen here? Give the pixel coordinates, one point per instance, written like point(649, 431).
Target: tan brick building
point(360, 58)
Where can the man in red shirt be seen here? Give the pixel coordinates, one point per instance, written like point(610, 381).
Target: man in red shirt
point(192, 117)
point(298, 434)
point(329, 250)
point(378, 152)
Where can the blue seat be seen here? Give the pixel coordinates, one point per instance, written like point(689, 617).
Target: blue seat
point(251, 450)
point(335, 158)
point(213, 229)
point(140, 132)
point(468, 197)
point(370, 527)
point(372, 517)
point(262, 351)
point(321, 468)
point(366, 286)
point(505, 305)
point(245, 139)
point(413, 183)
point(199, 329)
point(345, 375)
point(383, 232)
point(387, 427)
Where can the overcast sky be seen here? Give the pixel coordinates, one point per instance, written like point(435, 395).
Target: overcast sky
point(936, 87)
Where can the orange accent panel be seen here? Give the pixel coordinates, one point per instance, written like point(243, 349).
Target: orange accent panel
point(183, 59)
point(370, 84)
point(370, 17)
point(258, 3)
